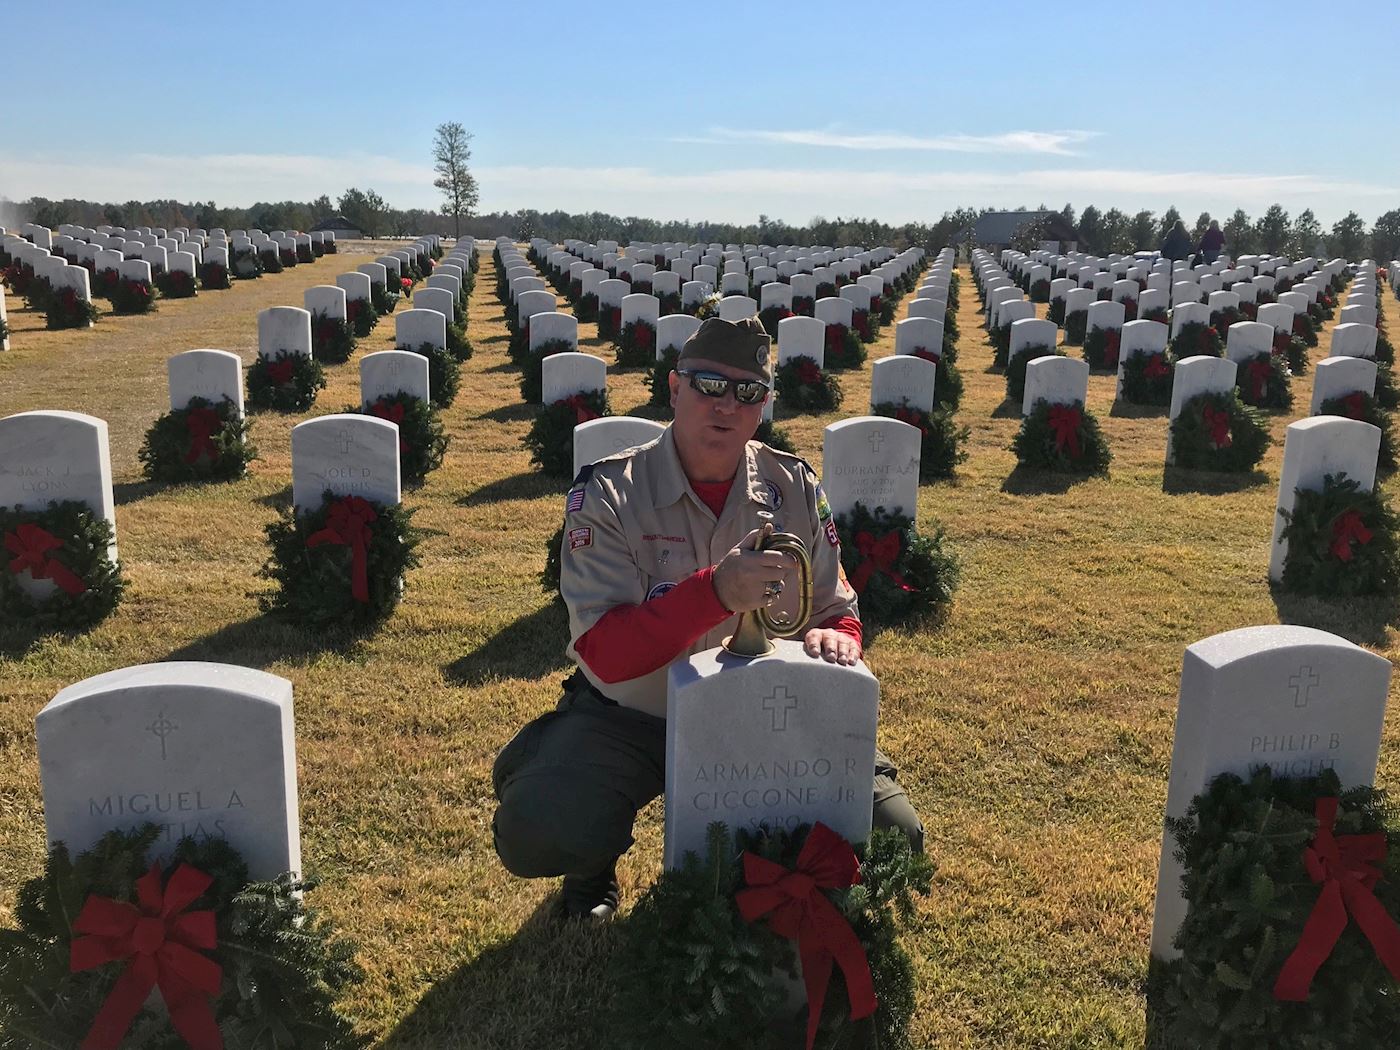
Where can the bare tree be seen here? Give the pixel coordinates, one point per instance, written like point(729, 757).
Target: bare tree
point(451, 151)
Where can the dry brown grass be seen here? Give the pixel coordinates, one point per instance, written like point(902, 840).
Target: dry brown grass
point(1033, 728)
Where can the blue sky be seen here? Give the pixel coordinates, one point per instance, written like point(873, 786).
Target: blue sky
point(717, 111)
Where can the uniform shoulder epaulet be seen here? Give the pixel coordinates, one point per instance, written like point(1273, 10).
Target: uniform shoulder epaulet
point(585, 472)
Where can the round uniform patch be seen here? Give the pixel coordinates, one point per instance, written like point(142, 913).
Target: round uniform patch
point(660, 589)
point(761, 354)
point(775, 494)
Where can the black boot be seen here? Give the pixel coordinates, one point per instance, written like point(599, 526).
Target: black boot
point(591, 898)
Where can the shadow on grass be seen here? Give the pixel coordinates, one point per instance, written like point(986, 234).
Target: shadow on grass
point(280, 500)
point(1178, 481)
point(525, 648)
point(546, 986)
point(516, 413)
point(504, 366)
point(1360, 620)
point(517, 486)
point(1008, 409)
point(1027, 481)
point(125, 493)
point(1159, 1015)
point(1124, 410)
point(265, 639)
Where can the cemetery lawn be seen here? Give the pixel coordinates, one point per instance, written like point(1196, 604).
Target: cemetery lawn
point(1033, 728)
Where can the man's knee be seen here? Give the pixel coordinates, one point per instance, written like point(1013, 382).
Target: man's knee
point(545, 826)
point(893, 810)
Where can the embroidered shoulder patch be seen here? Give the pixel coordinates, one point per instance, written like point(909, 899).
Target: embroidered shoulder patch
point(831, 535)
point(574, 504)
point(775, 494)
point(660, 589)
point(580, 537)
point(823, 507)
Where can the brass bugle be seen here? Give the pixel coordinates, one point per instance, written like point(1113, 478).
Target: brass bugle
point(757, 627)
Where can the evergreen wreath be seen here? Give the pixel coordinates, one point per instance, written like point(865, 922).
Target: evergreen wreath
point(802, 386)
point(636, 347)
point(458, 345)
point(1016, 367)
point(66, 543)
point(288, 256)
point(270, 259)
point(1385, 352)
point(609, 321)
point(1062, 438)
point(1218, 431)
point(844, 349)
point(774, 436)
point(1076, 326)
point(1263, 382)
point(865, 326)
point(1387, 392)
point(422, 438)
point(940, 438)
point(771, 316)
point(532, 376)
point(885, 305)
point(246, 263)
point(4, 330)
point(553, 564)
point(131, 296)
point(1196, 339)
point(203, 441)
point(341, 564)
point(332, 340)
point(444, 374)
point(286, 382)
point(176, 284)
point(686, 944)
point(658, 378)
point(1305, 328)
point(383, 299)
point(1249, 894)
point(1129, 309)
point(899, 573)
point(1147, 377)
point(1000, 338)
point(1157, 313)
point(804, 306)
point(670, 303)
point(1040, 291)
point(362, 316)
point(1222, 319)
point(1056, 313)
point(66, 309)
point(587, 308)
point(305, 253)
point(551, 436)
point(1101, 347)
point(282, 965)
point(214, 276)
point(1293, 350)
point(947, 380)
point(1361, 405)
point(1341, 541)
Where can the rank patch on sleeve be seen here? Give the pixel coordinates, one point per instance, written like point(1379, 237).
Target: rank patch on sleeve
point(831, 536)
point(581, 537)
point(575, 500)
point(823, 507)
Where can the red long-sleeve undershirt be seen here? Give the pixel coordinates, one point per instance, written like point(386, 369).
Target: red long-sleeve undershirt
point(632, 640)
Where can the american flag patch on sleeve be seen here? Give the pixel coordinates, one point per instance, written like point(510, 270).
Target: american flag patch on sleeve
point(575, 500)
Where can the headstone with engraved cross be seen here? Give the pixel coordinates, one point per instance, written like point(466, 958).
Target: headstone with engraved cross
point(1295, 699)
point(871, 460)
point(780, 740)
point(201, 750)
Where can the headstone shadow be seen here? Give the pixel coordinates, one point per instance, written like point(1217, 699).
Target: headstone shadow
point(1364, 620)
point(1008, 409)
point(528, 647)
point(128, 492)
point(545, 986)
point(1178, 481)
point(1027, 481)
point(279, 500)
point(516, 413)
point(530, 485)
point(1125, 410)
point(263, 640)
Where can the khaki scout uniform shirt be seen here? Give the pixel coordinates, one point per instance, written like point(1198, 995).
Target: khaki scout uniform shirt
point(640, 529)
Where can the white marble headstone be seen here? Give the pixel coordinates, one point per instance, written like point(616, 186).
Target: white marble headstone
point(1354, 340)
point(439, 299)
point(355, 285)
point(349, 454)
point(203, 750)
point(284, 328)
point(211, 374)
point(600, 438)
point(413, 328)
point(871, 460)
point(780, 740)
point(1056, 381)
point(903, 379)
point(1339, 376)
point(563, 375)
point(388, 372)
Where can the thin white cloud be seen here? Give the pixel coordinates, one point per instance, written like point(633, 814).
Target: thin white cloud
point(1042, 142)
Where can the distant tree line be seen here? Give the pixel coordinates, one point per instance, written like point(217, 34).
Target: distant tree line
point(1102, 231)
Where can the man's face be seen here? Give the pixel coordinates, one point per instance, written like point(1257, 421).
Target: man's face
point(714, 427)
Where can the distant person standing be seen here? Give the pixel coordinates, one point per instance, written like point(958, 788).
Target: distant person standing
point(1177, 243)
point(1212, 241)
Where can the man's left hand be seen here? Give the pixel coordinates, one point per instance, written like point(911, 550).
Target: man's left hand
point(832, 646)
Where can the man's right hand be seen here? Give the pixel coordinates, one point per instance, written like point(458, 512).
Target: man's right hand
point(744, 574)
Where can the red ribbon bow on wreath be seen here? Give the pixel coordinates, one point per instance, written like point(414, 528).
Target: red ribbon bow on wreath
point(914, 418)
point(1347, 867)
point(1300, 325)
point(1354, 405)
point(799, 911)
point(1259, 372)
point(926, 354)
point(1065, 421)
point(1112, 344)
point(1156, 367)
point(1217, 421)
point(581, 408)
point(281, 371)
point(202, 424)
point(348, 526)
point(30, 546)
point(393, 411)
point(1282, 341)
point(879, 555)
point(353, 308)
point(159, 938)
point(643, 335)
point(1345, 529)
point(808, 373)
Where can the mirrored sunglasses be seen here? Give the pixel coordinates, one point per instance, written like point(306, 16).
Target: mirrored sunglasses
point(712, 384)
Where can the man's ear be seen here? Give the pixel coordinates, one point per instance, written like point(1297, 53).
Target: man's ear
point(675, 383)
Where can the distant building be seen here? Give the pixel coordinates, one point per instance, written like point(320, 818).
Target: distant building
point(343, 228)
point(999, 229)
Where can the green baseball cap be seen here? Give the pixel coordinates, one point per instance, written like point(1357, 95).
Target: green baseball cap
point(744, 345)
